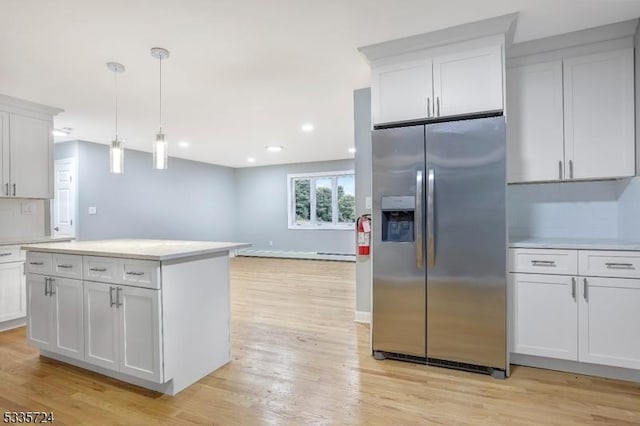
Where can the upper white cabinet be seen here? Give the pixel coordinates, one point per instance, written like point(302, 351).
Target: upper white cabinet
point(469, 81)
point(26, 149)
point(599, 115)
point(402, 91)
point(572, 118)
point(535, 126)
point(464, 82)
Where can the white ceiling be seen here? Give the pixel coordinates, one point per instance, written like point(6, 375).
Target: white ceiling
point(243, 74)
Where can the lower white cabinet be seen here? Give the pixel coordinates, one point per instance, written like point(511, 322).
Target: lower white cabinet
point(610, 321)
point(55, 311)
point(12, 291)
point(123, 329)
point(545, 315)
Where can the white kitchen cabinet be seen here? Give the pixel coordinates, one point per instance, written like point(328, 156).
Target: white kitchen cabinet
point(535, 131)
point(12, 291)
point(39, 312)
point(101, 324)
point(140, 341)
point(26, 148)
point(31, 157)
point(468, 81)
point(599, 115)
point(402, 92)
point(610, 321)
point(55, 315)
point(545, 315)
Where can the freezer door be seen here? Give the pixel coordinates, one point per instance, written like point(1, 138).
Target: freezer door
point(399, 280)
point(466, 242)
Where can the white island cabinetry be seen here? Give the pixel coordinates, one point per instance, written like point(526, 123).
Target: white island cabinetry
point(152, 313)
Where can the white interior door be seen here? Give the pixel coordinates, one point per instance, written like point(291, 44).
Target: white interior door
point(64, 202)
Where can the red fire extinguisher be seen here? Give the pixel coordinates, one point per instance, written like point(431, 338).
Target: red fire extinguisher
point(364, 235)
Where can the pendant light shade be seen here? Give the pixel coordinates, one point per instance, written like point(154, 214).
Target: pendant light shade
point(160, 146)
point(116, 150)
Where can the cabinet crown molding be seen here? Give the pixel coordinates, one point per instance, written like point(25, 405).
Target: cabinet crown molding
point(9, 102)
point(500, 25)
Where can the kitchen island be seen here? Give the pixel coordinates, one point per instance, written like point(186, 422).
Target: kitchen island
point(154, 313)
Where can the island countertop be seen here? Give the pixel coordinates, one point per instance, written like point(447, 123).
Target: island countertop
point(160, 250)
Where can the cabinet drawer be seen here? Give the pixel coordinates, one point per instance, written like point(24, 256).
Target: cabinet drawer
point(10, 254)
point(139, 273)
point(104, 269)
point(618, 264)
point(543, 261)
point(39, 263)
point(67, 266)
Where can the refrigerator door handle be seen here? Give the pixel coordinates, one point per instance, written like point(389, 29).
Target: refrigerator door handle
point(431, 247)
point(418, 221)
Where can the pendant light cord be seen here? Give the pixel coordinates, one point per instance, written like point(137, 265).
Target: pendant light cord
point(116, 83)
point(160, 59)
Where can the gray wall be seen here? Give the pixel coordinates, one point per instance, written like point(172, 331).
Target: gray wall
point(261, 210)
point(189, 200)
point(362, 121)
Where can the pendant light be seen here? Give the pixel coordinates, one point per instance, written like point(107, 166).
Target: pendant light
point(116, 151)
point(160, 147)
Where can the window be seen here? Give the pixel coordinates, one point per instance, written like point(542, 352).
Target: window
point(322, 200)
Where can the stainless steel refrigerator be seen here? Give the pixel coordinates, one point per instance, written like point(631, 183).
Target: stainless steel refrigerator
point(439, 244)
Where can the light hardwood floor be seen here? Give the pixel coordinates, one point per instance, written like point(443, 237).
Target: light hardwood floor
point(298, 358)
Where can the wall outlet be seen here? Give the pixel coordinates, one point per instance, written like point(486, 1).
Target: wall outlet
point(27, 207)
point(93, 210)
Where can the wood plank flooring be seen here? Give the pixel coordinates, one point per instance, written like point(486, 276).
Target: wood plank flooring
point(298, 358)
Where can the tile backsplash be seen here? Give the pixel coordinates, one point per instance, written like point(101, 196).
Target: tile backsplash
point(22, 218)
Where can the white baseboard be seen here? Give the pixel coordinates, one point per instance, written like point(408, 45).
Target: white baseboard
point(296, 255)
point(11, 324)
point(576, 367)
point(363, 317)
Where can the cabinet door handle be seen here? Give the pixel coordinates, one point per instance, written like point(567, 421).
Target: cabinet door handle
point(560, 169)
point(46, 286)
point(111, 302)
point(65, 266)
point(543, 263)
point(428, 107)
point(5, 254)
point(51, 292)
point(573, 288)
point(136, 274)
point(98, 269)
point(571, 169)
point(14, 189)
point(615, 265)
point(585, 292)
point(118, 301)
point(438, 104)
point(36, 263)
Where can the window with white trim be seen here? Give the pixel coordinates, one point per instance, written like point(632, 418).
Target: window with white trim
point(322, 200)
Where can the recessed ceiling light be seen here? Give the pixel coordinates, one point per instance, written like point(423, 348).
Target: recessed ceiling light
point(251, 160)
point(307, 127)
point(274, 148)
point(183, 144)
point(352, 150)
point(65, 131)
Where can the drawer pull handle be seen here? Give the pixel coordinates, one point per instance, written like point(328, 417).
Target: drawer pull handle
point(36, 263)
point(5, 254)
point(98, 269)
point(543, 263)
point(137, 274)
point(614, 265)
point(65, 266)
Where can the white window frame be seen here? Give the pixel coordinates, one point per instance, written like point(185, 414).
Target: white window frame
point(291, 208)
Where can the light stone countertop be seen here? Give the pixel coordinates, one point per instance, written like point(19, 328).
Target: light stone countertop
point(31, 240)
point(159, 250)
point(575, 243)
